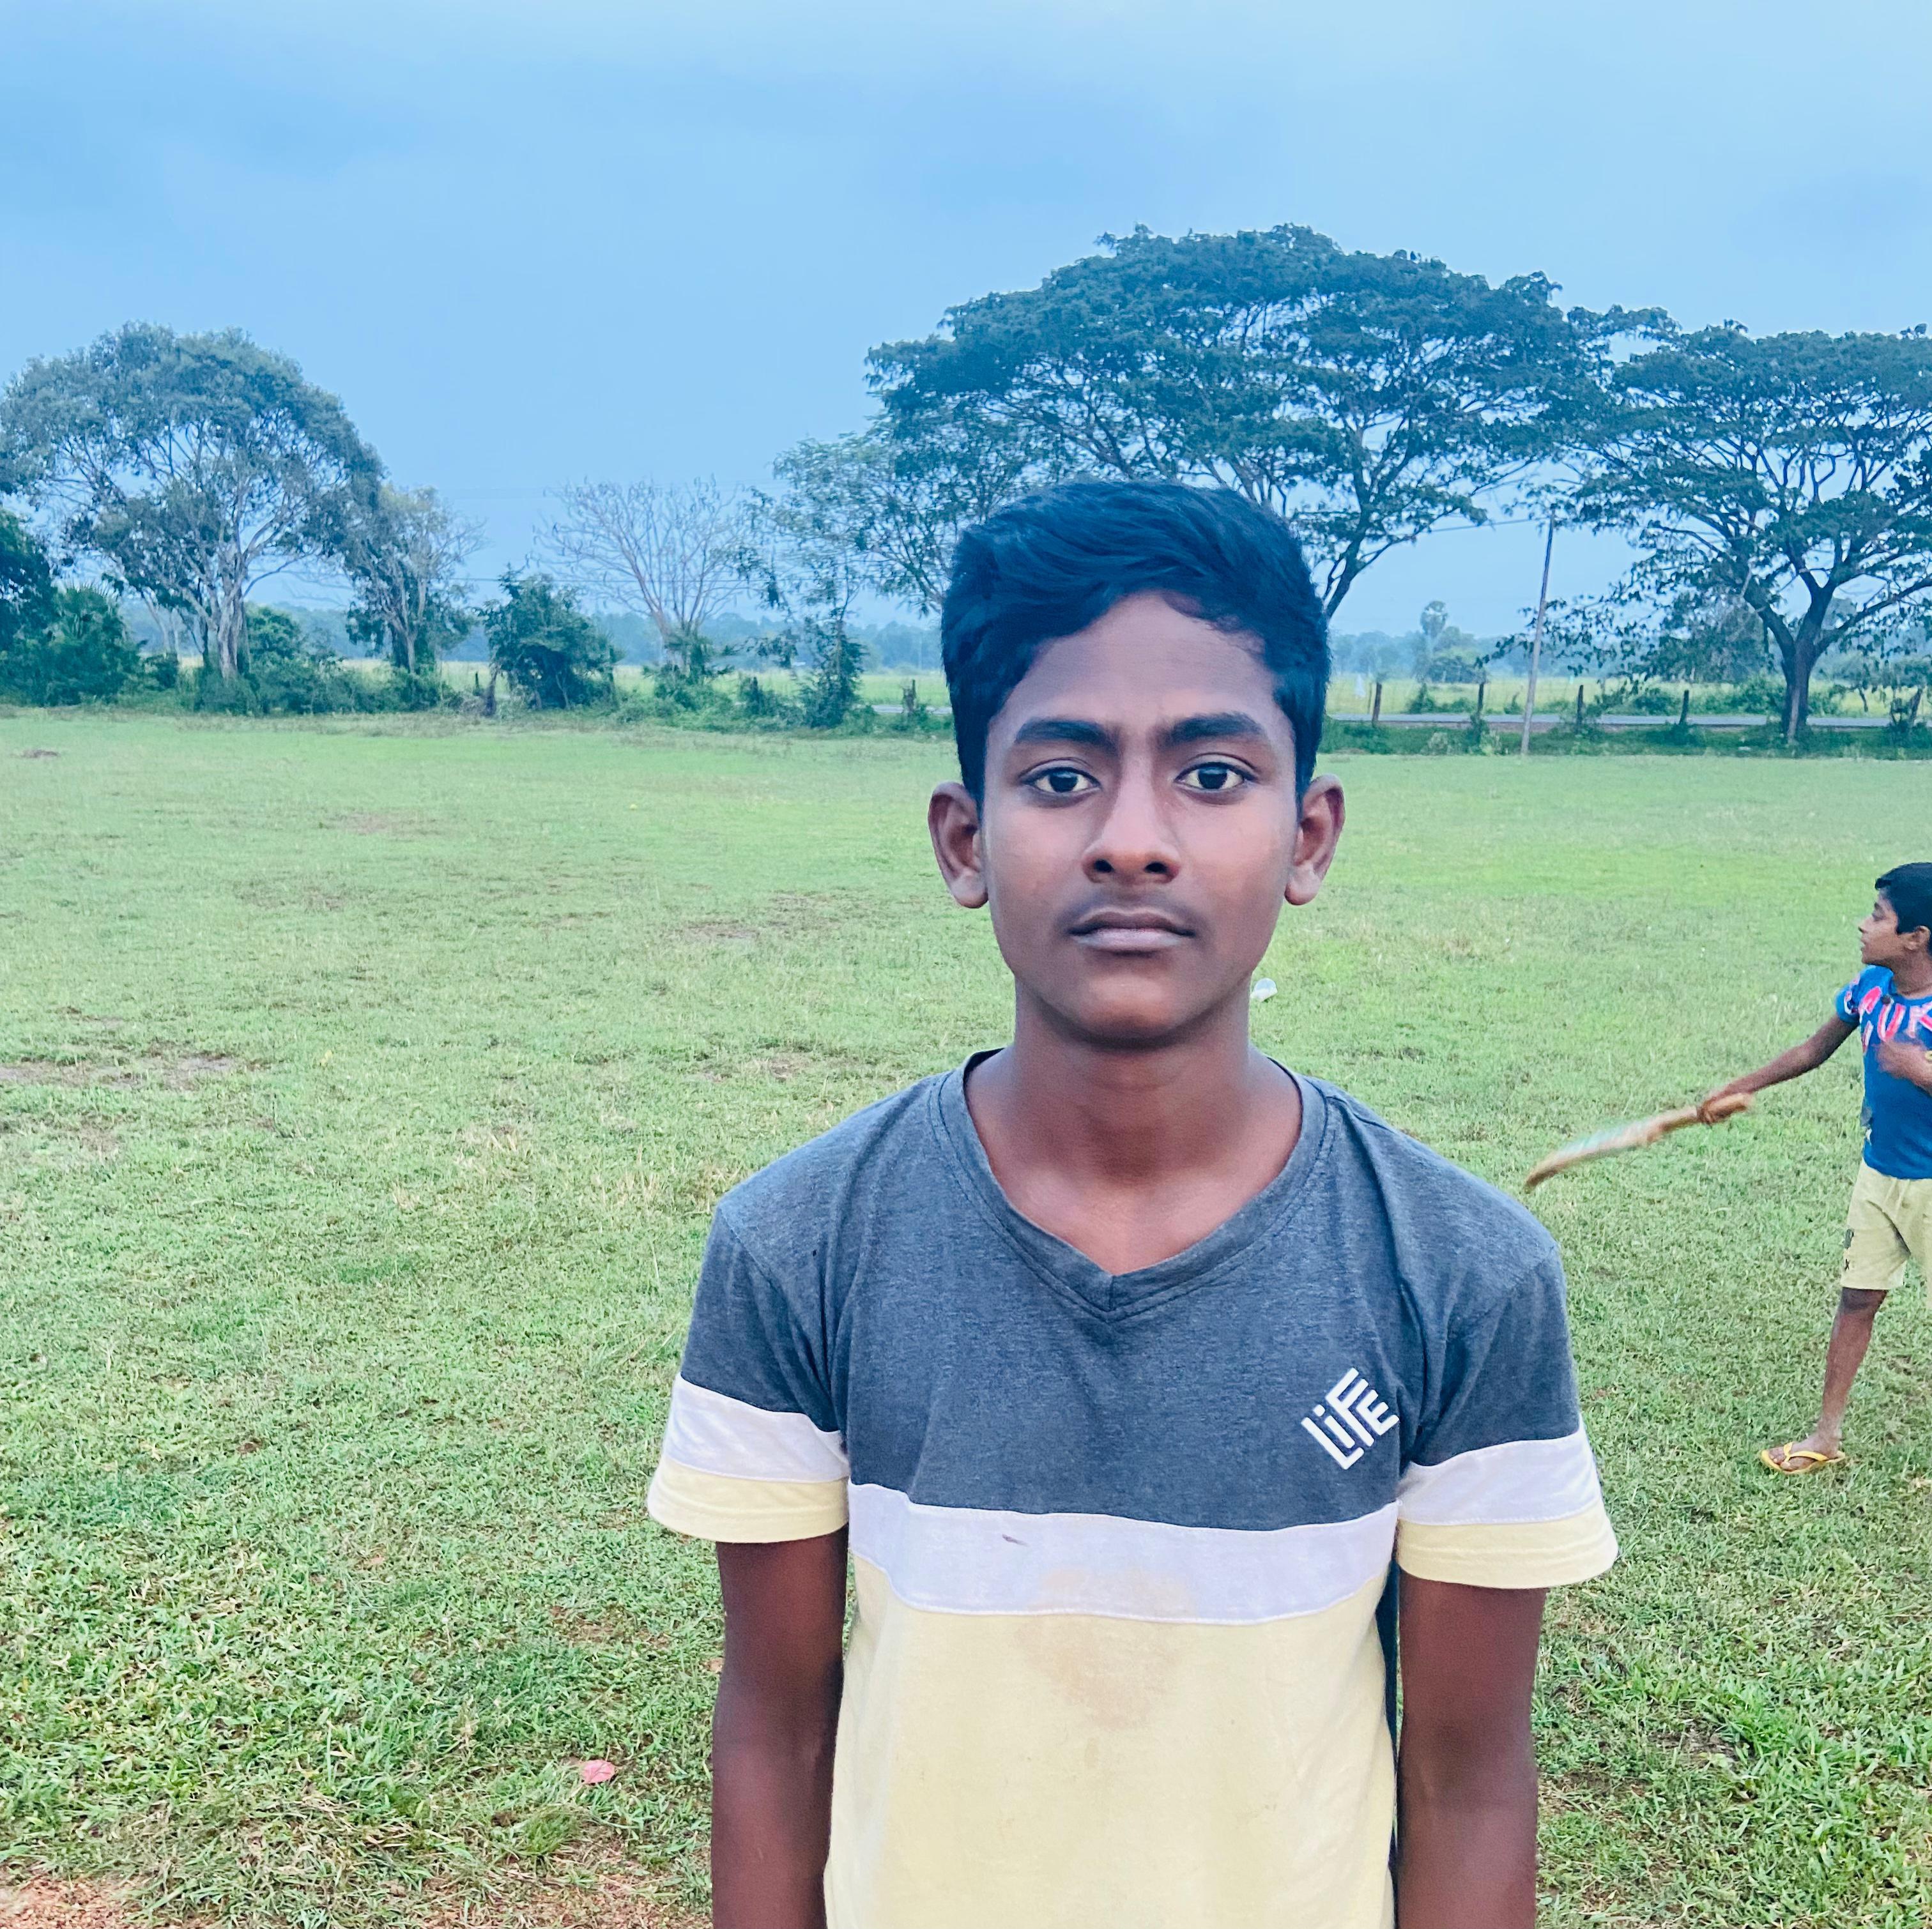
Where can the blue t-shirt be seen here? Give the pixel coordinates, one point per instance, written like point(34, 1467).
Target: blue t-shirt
point(1898, 1114)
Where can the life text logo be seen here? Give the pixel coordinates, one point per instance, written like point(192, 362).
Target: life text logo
point(1349, 1421)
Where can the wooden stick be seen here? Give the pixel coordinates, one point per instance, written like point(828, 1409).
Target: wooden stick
point(1632, 1137)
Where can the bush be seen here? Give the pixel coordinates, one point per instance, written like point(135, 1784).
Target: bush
point(830, 695)
point(555, 658)
point(1761, 694)
point(1646, 699)
point(83, 655)
point(757, 703)
point(418, 690)
point(285, 673)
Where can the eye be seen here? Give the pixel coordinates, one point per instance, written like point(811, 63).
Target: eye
point(1217, 779)
point(1062, 780)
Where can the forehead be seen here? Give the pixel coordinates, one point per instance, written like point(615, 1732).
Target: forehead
point(1141, 665)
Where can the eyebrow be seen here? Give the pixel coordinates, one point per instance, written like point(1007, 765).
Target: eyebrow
point(1066, 730)
point(1215, 726)
point(1218, 723)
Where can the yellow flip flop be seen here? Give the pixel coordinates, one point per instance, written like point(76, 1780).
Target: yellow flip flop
point(1791, 1451)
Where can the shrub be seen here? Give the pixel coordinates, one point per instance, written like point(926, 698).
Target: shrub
point(554, 655)
point(1760, 693)
point(1646, 699)
point(82, 654)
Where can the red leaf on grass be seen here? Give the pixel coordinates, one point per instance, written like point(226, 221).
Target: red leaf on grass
point(593, 1772)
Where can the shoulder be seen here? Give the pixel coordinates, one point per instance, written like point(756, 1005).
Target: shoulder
point(799, 1197)
point(1873, 984)
point(1455, 1238)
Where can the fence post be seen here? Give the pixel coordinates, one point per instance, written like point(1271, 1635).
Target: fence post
point(1580, 704)
point(1684, 714)
point(1375, 714)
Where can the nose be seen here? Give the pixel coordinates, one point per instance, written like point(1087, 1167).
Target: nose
point(1135, 838)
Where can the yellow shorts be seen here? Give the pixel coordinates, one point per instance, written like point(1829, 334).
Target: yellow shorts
point(1889, 1222)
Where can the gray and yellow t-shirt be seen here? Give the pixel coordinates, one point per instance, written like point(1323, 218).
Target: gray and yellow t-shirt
point(1119, 1541)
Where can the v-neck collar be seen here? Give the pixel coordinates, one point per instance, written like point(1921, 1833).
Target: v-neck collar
point(1067, 1269)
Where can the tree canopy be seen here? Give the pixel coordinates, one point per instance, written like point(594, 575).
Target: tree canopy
point(191, 466)
point(1787, 476)
point(1369, 398)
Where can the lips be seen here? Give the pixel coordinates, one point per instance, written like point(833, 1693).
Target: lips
point(1130, 931)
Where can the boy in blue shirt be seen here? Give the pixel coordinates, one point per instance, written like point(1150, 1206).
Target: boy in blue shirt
point(1889, 1005)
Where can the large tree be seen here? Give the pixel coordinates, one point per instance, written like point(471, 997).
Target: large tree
point(405, 552)
point(193, 467)
point(673, 553)
point(1788, 476)
point(1369, 398)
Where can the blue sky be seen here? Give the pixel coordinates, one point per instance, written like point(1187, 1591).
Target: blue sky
point(531, 243)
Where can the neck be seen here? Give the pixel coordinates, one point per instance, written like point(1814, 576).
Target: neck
point(1912, 978)
point(1113, 1115)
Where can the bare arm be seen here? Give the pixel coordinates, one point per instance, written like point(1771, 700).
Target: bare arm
point(1793, 1064)
point(772, 1731)
point(1466, 1771)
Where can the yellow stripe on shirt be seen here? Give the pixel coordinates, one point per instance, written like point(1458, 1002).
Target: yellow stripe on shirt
point(721, 1507)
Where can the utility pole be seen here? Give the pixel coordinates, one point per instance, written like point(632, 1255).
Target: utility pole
point(1536, 635)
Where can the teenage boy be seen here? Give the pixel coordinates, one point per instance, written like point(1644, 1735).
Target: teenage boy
point(1127, 1358)
point(1889, 1005)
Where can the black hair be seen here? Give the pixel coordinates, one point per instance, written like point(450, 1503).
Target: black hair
point(1907, 888)
point(1049, 564)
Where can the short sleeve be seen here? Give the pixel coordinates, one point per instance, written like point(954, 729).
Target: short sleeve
point(752, 1449)
point(1500, 1488)
point(1845, 1006)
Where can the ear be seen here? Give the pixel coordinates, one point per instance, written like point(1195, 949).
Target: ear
point(1315, 837)
point(953, 819)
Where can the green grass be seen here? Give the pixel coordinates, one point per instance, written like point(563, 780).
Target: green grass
point(369, 1088)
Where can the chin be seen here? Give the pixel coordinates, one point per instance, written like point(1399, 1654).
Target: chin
point(1130, 1023)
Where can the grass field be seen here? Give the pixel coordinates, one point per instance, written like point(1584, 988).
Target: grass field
point(365, 1089)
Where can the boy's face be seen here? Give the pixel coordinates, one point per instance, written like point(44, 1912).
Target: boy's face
point(1882, 942)
point(1140, 832)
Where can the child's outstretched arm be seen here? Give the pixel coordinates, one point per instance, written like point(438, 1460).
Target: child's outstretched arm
point(772, 1732)
point(1793, 1064)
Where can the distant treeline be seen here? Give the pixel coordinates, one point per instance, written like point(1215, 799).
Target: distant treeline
point(1777, 490)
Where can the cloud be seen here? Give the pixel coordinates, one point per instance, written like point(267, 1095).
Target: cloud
point(528, 242)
